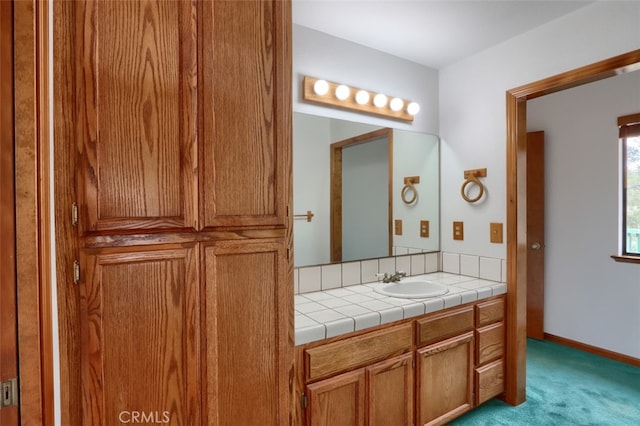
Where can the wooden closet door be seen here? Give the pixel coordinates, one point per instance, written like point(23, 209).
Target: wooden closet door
point(249, 333)
point(245, 83)
point(139, 316)
point(136, 114)
point(173, 118)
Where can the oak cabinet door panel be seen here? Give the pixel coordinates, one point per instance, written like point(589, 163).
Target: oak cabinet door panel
point(139, 323)
point(444, 380)
point(246, 129)
point(338, 401)
point(249, 338)
point(136, 114)
point(390, 392)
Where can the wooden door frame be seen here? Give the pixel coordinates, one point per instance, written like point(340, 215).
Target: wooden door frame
point(335, 197)
point(33, 220)
point(9, 416)
point(515, 379)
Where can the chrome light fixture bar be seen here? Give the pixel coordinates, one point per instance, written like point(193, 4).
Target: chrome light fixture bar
point(356, 99)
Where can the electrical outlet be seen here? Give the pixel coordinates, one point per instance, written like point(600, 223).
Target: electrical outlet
point(424, 228)
point(496, 232)
point(458, 231)
point(398, 226)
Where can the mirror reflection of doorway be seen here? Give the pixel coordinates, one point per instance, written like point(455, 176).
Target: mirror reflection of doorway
point(361, 208)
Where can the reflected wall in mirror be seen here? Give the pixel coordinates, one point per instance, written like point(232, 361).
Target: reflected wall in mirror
point(373, 172)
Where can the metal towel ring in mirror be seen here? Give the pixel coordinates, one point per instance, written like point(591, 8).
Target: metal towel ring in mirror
point(409, 189)
point(471, 176)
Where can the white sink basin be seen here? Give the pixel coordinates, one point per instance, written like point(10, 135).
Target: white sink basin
point(413, 289)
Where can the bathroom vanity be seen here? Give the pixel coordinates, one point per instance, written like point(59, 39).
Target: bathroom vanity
point(423, 370)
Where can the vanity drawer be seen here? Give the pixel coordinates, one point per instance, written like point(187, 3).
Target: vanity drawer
point(343, 355)
point(490, 343)
point(489, 312)
point(444, 325)
point(489, 381)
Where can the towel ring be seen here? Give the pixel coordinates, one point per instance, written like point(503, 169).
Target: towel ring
point(405, 190)
point(472, 178)
point(409, 186)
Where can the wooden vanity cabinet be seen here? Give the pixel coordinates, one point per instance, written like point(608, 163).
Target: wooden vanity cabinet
point(443, 364)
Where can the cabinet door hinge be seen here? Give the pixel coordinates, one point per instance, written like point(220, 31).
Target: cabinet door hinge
point(76, 272)
point(9, 397)
point(303, 401)
point(74, 214)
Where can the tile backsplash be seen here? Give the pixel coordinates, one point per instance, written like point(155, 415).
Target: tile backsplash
point(308, 279)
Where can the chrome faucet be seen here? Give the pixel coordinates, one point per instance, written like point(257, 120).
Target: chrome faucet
point(393, 278)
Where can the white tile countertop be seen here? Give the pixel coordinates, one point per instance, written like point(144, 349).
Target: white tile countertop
point(323, 314)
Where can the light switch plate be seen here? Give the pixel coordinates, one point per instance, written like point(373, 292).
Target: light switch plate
point(424, 228)
point(398, 226)
point(496, 232)
point(458, 231)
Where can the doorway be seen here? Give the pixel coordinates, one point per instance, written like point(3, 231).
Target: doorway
point(359, 164)
point(516, 203)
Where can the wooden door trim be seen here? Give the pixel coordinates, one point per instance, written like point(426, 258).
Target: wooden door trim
point(336, 187)
point(515, 382)
point(33, 224)
point(8, 333)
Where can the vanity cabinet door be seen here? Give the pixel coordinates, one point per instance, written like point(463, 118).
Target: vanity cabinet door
point(390, 392)
point(444, 380)
point(338, 401)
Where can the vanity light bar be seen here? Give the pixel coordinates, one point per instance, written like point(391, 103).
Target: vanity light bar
point(342, 96)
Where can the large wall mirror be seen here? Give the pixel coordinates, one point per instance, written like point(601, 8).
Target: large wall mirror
point(355, 173)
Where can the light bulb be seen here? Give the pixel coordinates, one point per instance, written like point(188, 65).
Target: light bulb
point(362, 97)
point(413, 108)
point(342, 92)
point(380, 100)
point(321, 87)
point(396, 104)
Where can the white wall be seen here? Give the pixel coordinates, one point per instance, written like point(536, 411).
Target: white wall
point(581, 214)
point(473, 106)
point(473, 132)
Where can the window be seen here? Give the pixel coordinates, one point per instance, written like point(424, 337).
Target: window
point(630, 139)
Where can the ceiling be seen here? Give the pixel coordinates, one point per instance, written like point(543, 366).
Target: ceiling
point(429, 32)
